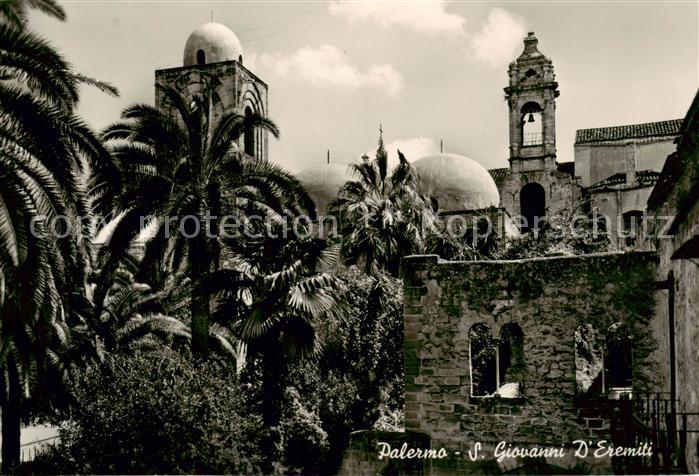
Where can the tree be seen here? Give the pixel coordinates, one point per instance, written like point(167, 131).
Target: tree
point(156, 412)
point(14, 12)
point(382, 216)
point(276, 289)
point(186, 165)
point(44, 147)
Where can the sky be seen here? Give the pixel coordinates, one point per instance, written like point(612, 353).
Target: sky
point(426, 71)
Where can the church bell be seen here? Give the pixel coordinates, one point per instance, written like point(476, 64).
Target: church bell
point(531, 117)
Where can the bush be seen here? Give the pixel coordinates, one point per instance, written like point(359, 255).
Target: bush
point(157, 413)
point(358, 378)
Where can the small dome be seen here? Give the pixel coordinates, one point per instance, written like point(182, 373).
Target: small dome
point(212, 43)
point(322, 182)
point(456, 182)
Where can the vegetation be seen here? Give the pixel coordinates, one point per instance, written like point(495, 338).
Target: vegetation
point(157, 412)
point(45, 146)
point(382, 215)
point(570, 232)
point(176, 347)
point(187, 165)
point(116, 335)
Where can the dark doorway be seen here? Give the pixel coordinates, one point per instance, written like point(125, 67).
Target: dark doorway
point(619, 357)
point(532, 200)
point(249, 138)
point(201, 57)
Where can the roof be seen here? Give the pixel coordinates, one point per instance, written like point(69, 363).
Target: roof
point(634, 131)
point(456, 182)
point(215, 42)
point(499, 174)
point(643, 177)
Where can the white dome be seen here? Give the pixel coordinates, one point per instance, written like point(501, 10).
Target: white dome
point(456, 182)
point(216, 41)
point(322, 182)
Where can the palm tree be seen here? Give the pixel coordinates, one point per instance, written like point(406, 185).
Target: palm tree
point(136, 316)
point(188, 165)
point(382, 216)
point(272, 294)
point(44, 147)
point(15, 12)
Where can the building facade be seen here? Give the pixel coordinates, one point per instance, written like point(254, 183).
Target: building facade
point(213, 57)
point(618, 167)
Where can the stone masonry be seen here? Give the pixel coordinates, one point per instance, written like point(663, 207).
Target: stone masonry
point(548, 298)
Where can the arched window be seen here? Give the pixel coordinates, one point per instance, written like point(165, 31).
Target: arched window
point(483, 361)
point(532, 200)
point(249, 135)
point(589, 361)
point(532, 124)
point(201, 57)
point(510, 360)
point(497, 367)
point(618, 360)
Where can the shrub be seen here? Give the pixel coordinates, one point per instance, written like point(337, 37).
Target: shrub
point(358, 377)
point(157, 413)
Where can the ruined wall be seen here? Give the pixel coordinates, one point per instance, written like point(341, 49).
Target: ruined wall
point(548, 298)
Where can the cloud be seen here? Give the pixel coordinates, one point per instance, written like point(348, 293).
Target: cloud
point(327, 66)
point(424, 17)
point(413, 149)
point(499, 38)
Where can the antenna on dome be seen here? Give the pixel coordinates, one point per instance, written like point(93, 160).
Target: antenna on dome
point(213, 16)
point(441, 146)
point(328, 155)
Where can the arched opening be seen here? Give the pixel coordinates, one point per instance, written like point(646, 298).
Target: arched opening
point(589, 361)
point(249, 135)
point(510, 360)
point(532, 201)
point(201, 57)
point(531, 122)
point(633, 223)
point(483, 361)
point(619, 361)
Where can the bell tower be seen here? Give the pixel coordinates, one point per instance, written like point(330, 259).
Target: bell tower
point(531, 96)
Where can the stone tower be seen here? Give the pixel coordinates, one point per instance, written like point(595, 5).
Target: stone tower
point(531, 96)
point(213, 55)
point(534, 186)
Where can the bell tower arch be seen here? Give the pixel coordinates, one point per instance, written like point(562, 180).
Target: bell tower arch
point(531, 97)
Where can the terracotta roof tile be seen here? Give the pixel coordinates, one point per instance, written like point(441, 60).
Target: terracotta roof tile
point(499, 174)
point(635, 131)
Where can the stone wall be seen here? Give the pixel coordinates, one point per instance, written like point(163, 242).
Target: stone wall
point(562, 191)
point(677, 195)
point(548, 298)
point(237, 89)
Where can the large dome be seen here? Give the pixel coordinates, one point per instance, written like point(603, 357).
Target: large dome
point(322, 183)
point(456, 182)
point(216, 43)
